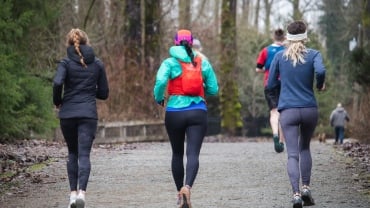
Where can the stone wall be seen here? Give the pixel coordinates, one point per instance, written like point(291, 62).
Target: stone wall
point(126, 132)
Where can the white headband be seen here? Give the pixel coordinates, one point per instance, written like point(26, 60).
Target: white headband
point(296, 37)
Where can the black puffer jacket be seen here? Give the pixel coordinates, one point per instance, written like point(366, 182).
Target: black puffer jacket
point(80, 86)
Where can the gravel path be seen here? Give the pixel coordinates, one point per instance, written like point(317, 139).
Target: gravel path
point(231, 175)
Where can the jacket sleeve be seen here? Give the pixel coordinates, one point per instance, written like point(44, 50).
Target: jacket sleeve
point(58, 82)
point(319, 70)
point(331, 118)
point(102, 90)
point(209, 79)
point(261, 59)
point(161, 79)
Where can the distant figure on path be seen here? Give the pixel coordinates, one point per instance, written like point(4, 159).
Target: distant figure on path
point(81, 78)
point(188, 78)
point(197, 46)
point(295, 69)
point(338, 118)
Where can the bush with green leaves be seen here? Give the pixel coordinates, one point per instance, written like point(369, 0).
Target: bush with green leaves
point(25, 98)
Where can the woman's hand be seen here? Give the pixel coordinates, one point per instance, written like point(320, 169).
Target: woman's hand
point(322, 88)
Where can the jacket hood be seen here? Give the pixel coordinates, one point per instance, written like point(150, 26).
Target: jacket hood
point(87, 53)
point(339, 109)
point(179, 52)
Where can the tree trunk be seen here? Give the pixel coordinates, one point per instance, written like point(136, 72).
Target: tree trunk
point(268, 5)
point(297, 14)
point(132, 35)
point(229, 98)
point(143, 32)
point(257, 14)
point(366, 23)
point(245, 12)
point(152, 37)
point(184, 14)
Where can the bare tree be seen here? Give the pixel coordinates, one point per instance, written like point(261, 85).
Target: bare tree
point(184, 14)
point(366, 22)
point(257, 13)
point(302, 7)
point(268, 6)
point(201, 10)
point(246, 6)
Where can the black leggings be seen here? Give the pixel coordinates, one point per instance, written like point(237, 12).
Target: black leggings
point(79, 135)
point(193, 124)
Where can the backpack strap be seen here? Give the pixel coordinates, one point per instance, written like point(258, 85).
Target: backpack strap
point(177, 85)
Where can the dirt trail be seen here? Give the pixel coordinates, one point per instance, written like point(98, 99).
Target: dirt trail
point(231, 175)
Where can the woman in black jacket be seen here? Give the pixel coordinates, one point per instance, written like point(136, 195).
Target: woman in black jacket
point(79, 81)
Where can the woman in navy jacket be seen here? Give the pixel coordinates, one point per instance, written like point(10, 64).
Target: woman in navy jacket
point(79, 81)
point(295, 69)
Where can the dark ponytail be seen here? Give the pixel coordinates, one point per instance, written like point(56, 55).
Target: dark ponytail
point(189, 51)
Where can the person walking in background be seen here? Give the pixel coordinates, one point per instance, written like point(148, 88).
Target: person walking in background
point(81, 78)
point(295, 69)
point(264, 59)
point(338, 118)
point(197, 46)
point(189, 78)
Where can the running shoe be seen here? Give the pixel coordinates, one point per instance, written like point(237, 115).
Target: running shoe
point(179, 199)
point(307, 197)
point(80, 201)
point(297, 201)
point(279, 147)
point(185, 195)
point(72, 201)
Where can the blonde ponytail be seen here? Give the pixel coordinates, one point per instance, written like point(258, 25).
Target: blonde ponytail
point(76, 37)
point(295, 52)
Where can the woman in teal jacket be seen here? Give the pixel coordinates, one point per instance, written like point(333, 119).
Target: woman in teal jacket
point(185, 114)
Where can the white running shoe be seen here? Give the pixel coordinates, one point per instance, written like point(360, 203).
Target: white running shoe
point(80, 201)
point(72, 200)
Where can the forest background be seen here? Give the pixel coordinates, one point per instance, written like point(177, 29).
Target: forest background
point(132, 37)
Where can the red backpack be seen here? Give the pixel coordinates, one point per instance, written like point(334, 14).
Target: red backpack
point(190, 82)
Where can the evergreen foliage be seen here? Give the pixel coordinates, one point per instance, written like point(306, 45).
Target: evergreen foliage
point(251, 83)
point(339, 25)
point(25, 104)
point(361, 66)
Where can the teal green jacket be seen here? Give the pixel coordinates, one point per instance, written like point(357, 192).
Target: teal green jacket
point(171, 68)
